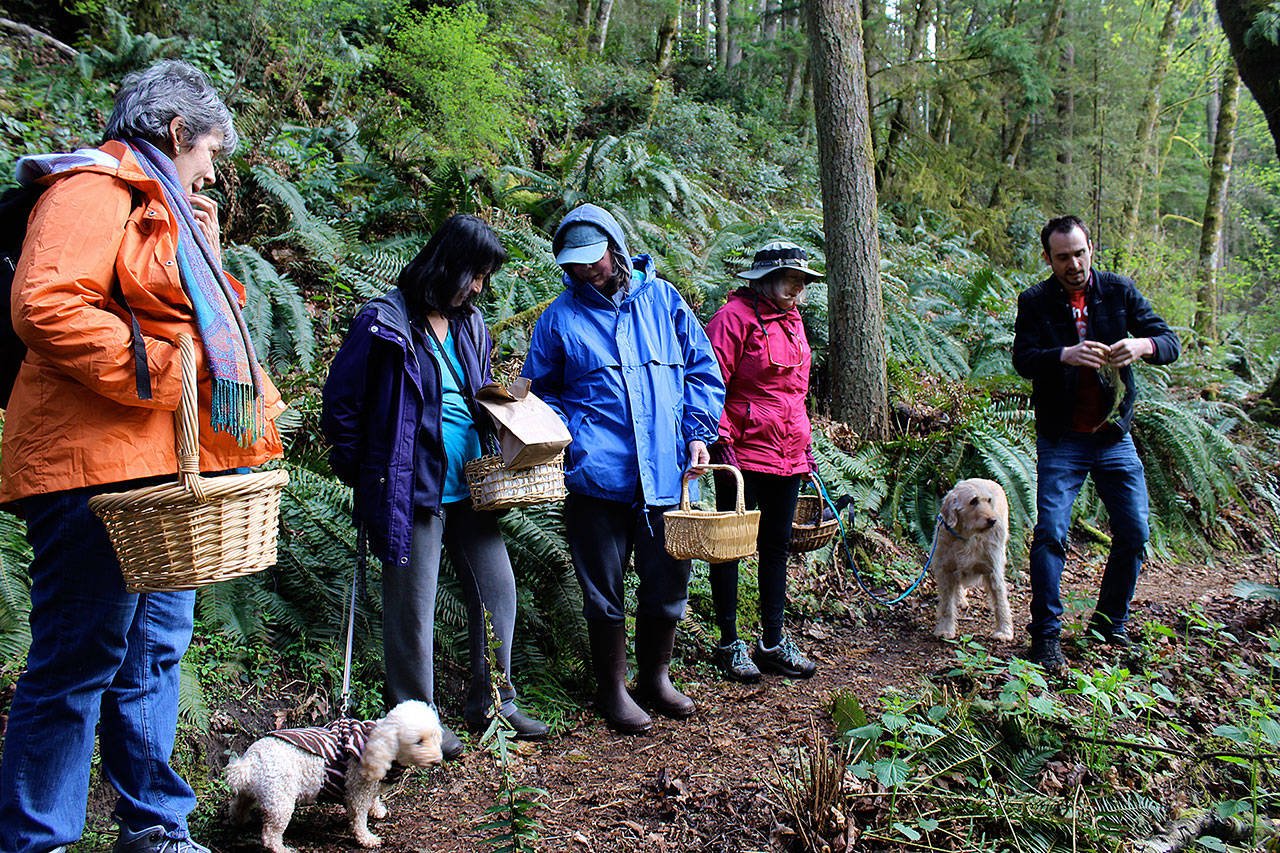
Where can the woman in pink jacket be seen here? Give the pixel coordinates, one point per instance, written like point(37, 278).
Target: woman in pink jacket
point(764, 356)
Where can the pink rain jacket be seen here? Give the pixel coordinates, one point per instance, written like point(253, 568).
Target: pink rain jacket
point(766, 376)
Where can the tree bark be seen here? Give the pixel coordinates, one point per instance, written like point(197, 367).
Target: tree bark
point(1210, 260)
point(1009, 157)
point(722, 34)
point(1066, 98)
point(855, 313)
point(583, 18)
point(601, 30)
point(1256, 57)
point(1141, 161)
point(666, 44)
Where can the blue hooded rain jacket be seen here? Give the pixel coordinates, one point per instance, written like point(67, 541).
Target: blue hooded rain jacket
point(635, 382)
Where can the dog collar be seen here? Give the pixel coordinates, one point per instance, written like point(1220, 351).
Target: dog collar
point(950, 529)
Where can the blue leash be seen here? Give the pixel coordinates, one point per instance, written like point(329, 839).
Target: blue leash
point(857, 575)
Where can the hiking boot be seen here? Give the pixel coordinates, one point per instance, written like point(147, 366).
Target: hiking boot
point(655, 641)
point(734, 661)
point(450, 744)
point(784, 659)
point(153, 839)
point(1111, 634)
point(1047, 652)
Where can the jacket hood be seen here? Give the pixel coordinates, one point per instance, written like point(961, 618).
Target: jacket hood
point(761, 305)
point(592, 215)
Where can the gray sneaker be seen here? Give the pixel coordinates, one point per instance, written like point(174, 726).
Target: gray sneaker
point(154, 839)
point(734, 661)
point(784, 659)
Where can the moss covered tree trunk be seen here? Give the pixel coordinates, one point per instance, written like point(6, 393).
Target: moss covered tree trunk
point(1210, 259)
point(856, 358)
point(1257, 56)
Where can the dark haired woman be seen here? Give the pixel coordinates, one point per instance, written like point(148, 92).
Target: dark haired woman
point(764, 356)
point(398, 412)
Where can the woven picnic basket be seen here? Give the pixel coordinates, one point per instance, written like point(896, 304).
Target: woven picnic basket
point(711, 535)
point(200, 530)
point(809, 531)
point(495, 486)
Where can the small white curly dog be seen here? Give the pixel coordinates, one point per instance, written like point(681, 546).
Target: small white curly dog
point(969, 548)
point(277, 775)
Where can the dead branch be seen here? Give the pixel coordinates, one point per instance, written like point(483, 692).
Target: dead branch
point(32, 32)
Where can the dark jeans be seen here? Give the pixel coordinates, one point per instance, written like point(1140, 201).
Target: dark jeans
point(100, 657)
point(602, 536)
point(479, 556)
point(1121, 482)
point(775, 497)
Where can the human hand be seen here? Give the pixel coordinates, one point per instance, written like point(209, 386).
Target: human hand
point(206, 214)
point(1086, 354)
point(699, 458)
point(1128, 350)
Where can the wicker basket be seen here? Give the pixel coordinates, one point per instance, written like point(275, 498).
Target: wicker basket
point(809, 531)
point(495, 486)
point(695, 534)
point(199, 530)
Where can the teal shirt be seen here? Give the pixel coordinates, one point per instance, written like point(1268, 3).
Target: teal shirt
point(457, 429)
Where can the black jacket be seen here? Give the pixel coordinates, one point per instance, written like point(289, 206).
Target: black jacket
point(1045, 326)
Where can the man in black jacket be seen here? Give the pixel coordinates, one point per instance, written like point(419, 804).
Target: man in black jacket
point(1076, 336)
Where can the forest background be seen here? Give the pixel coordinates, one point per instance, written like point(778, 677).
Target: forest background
point(365, 124)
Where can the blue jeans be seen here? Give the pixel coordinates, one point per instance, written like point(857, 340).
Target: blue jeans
point(1121, 483)
point(99, 656)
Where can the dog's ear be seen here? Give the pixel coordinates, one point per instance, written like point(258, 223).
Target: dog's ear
point(951, 509)
point(381, 750)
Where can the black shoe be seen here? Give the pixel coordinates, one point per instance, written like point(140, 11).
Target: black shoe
point(450, 745)
point(1111, 634)
point(1047, 651)
point(784, 659)
point(734, 662)
point(522, 725)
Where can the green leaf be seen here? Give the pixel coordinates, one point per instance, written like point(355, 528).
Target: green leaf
point(892, 772)
point(1232, 733)
point(908, 831)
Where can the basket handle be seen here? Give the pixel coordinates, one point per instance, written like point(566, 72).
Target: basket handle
point(187, 429)
point(740, 507)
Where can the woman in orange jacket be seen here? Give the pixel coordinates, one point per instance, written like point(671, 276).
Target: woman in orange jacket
point(122, 254)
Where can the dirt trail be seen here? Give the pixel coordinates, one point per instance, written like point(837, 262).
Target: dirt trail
point(702, 784)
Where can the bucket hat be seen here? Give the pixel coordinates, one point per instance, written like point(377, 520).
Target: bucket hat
point(584, 243)
point(777, 255)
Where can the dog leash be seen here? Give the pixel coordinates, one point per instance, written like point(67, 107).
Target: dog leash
point(357, 580)
point(848, 553)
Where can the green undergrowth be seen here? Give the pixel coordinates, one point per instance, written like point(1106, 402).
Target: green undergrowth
point(1177, 739)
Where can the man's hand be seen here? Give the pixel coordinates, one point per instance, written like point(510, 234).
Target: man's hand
point(699, 457)
point(1087, 354)
point(206, 213)
point(1128, 350)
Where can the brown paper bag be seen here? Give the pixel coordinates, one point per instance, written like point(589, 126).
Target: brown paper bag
point(529, 431)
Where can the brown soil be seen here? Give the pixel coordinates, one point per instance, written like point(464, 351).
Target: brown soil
point(704, 784)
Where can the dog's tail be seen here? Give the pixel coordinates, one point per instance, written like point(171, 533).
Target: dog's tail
point(238, 774)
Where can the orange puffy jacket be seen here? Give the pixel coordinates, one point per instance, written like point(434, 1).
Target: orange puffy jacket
point(74, 418)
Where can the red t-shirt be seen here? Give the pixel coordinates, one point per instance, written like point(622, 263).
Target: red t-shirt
point(1091, 410)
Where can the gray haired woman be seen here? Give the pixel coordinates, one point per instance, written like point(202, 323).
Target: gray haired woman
point(122, 256)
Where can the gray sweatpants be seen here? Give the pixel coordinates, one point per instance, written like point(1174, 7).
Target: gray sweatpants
point(479, 556)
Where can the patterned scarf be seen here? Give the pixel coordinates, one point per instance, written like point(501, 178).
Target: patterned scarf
point(238, 406)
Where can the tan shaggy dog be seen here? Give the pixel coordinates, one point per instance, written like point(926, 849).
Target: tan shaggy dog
point(276, 775)
point(969, 548)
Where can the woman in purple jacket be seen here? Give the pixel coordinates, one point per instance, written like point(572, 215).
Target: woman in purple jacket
point(399, 414)
point(764, 356)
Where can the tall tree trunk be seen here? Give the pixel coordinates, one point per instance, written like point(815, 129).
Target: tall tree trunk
point(731, 24)
point(1215, 204)
point(857, 358)
point(1066, 103)
point(722, 34)
point(1009, 157)
point(1257, 59)
point(666, 44)
point(1140, 164)
point(583, 19)
point(601, 31)
point(901, 122)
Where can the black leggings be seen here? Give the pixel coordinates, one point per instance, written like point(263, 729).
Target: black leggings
point(775, 497)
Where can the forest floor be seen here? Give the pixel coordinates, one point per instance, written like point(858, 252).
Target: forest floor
point(705, 784)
